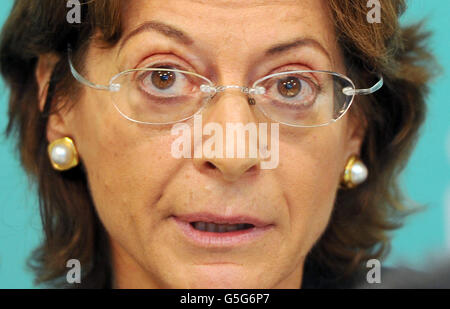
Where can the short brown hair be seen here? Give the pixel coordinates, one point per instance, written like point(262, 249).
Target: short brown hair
point(361, 217)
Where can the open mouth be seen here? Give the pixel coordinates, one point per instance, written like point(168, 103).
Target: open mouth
point(206, 230)
point(220, 228)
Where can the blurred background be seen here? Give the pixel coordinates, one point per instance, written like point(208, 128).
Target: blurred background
point(425, 237)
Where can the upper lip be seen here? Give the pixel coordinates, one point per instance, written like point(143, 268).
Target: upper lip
point(219, 219)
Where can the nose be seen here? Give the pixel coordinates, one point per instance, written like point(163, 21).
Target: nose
point(230, 113)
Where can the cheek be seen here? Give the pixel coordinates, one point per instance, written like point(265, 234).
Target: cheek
point(310, 172)
point(127, 167)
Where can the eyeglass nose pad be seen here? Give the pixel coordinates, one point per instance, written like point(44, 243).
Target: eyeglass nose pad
point(251, 101)
point(214, 90)
point(208, 89)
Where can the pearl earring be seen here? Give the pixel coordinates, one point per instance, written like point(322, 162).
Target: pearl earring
point(355, 173)
point(63, 154)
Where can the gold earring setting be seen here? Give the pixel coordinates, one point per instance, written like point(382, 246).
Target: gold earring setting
point(63, 154)
point(355, 173)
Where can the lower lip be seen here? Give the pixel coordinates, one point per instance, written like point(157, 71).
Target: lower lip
point(227, 239)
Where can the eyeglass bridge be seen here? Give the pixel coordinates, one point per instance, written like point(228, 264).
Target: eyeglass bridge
point(246, 90)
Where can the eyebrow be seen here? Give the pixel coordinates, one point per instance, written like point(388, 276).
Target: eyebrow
point(181, 37)
point(162, 28)
point(280, 48)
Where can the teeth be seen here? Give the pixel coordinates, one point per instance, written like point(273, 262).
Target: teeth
point(220, 228)
point(231, 228)
point(210, 227)
point(200, 226)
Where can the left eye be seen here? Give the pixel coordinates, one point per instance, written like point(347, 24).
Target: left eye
point(163, 79)
point(290, 87)
point(291, 90)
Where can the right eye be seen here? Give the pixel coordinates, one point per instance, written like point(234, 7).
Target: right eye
point(164, 83)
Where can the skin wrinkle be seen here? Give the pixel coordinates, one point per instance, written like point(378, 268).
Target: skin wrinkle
point(236, 4)
point(126, 165)
point(146, 186)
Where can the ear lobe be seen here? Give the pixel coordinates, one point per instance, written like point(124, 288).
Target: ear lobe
point(56, 127)
point(44, 69)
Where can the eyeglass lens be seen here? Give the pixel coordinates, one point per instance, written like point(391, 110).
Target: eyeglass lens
point(295, 98)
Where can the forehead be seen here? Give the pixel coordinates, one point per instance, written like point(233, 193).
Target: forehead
point(226, 13)
point(222, 25)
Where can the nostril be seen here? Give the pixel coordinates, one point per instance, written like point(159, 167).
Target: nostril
point(253, 169)
point(209, 165)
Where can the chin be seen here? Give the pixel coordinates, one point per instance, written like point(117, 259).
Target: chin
point(223, 276)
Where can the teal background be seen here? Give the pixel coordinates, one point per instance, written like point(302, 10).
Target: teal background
point(424, 238)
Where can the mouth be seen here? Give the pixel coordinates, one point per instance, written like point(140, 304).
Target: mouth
point(220, 228)
point(208, 230)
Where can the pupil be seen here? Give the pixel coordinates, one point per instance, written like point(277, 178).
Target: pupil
point(289, 87)
point(162, 79)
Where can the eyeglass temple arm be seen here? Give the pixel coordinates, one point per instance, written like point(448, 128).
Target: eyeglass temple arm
point(80, 78)
point(113, 87)
point(377, 86)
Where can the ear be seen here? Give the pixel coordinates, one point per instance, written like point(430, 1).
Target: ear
point(356, 131)
point(44, 69)
point(56, 127)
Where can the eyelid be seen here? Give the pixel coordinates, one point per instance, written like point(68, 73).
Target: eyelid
point(162, 65)
point(162, 62)
point(315, 79)
point(289, 67)
point(165, 59)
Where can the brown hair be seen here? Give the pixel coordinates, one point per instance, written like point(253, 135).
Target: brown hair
point(362, 216)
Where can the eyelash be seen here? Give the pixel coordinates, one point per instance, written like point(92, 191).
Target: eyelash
point(172, 65)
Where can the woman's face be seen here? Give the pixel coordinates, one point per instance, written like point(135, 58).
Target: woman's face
point(145, 197)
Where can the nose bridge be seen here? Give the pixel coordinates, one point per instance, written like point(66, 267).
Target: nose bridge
point(230, 111)
point(230, 103)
